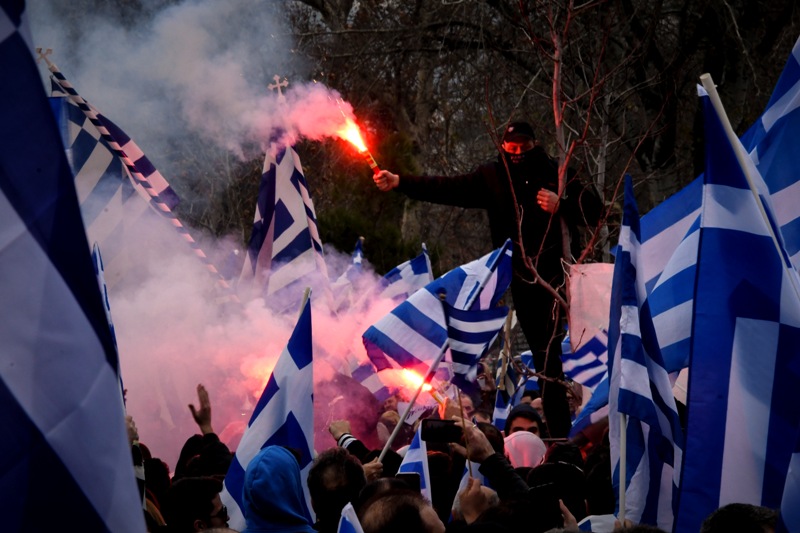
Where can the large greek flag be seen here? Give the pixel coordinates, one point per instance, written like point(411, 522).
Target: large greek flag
point(62, 417)
point(743, 427)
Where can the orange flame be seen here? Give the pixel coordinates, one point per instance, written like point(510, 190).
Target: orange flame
point(350, 132)
point(415, 379)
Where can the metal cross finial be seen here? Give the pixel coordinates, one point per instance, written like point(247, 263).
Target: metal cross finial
point(278, 84)
point(43, 55)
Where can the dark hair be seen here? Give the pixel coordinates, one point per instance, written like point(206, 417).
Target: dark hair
point(740, 517)
point(494, 436)
point(565, 452)
point(525, 411)
point(393, 511)
point(335, 478)
point(189, 499)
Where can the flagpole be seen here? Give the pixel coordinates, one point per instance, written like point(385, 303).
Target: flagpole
point(623, 452)
point(744, 161)
point(405, 414)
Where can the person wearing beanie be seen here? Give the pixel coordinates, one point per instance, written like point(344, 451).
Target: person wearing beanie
point(519, 191)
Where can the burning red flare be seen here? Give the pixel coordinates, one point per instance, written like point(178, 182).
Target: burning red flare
point(350, 133)
point(416, 380)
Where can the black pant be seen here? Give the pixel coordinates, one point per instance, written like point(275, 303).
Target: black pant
point(539, 317)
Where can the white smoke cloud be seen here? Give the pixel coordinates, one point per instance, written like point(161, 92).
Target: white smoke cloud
point(199, 67)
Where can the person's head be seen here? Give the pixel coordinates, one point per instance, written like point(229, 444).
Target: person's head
point(390, 404)
point(523, 418)
point(529, 395)
point(742, 518)
point(494, 435)
point(518, 138)
point(467, 406)
point(335, 478)
point(399, 511)
point(491, 498)
point(273, 492)
point(524, 449)
point(565, 452)
point(482, 416)
point(193, 504)
point(536, 403)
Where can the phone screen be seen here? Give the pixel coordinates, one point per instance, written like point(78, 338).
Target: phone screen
point(440, 431)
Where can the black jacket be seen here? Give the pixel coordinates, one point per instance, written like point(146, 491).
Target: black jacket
point(488, 187)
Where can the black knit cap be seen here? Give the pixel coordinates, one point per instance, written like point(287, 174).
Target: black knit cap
point(518, 132)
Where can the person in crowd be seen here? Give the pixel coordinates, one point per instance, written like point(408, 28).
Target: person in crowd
point(193, 504)
point(523, 418)
point(340, 431)
point(473, 501)
point(741, 518)
point(524, 449)
point(273, 499)
point(399, 510)
point(520, 192)
point(335, 478)
point(203, 455)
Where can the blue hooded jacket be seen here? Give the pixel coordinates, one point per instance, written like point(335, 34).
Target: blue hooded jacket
point(273, 499)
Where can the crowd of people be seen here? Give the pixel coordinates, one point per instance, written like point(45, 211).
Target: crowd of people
point(513, 478)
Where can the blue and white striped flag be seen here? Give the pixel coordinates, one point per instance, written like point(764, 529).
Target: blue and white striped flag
point(99, 272)
point(348, 523)
point(366, 374)
point(670, 231)
point(415, 332)
point(743, 427)
point(64, 436)
point(588, 364)
point(471, 333)
point(407, 278)
point(641, 390)
point(285, 252)
point(510, 388)
point(284, 416)
point(416, 460)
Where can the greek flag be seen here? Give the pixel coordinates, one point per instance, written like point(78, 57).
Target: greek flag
point(743, 427)
point(670, 231)
point(471, 333)
point(416, 460)
point(640, 388)
point(349, 523)
point(284, 416)
point(285, 252)
point(510, 388)
point(366, 375)
point(407, 278)
point(588, 364)
point(345, 289)
point(415, 332)
point(64, 435)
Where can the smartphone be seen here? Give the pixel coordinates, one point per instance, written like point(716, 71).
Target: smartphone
point(411, 479)
point(440, 431)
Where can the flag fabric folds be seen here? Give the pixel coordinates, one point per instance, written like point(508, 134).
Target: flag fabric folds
point(470, 334)
point(407, 278)
point(588, 364)
point(348, 523)
point(416, 461)
point(510, 388)
point(743, 427)
point(345, 289)
point(284, 416)
point(60, 405)
point(285, 252)
point(641, 390)
point(415, 332)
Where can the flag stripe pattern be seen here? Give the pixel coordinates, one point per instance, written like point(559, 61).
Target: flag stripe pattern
point(588, 364)
point(284, 416)
point(509, 394)
point(415, 332)
point(407, 278)
point(285, 250)
point(742, 431)
point(348, 523)
point(59, 393)
point(139, 168)
point(471, 333)
point(640, 388)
